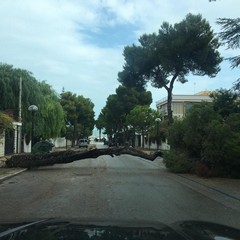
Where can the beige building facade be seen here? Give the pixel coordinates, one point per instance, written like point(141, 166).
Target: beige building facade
point(182, 103)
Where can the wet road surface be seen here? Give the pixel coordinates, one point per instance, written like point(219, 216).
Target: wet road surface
point(119, 188)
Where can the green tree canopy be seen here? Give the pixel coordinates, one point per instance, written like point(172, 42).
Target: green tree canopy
point(119, 105)
point(79, 115)
point(189, 46)
point(196, 127)
point(50, 113)
point(49, 118)
point(99, 123)
point(141, 119)
point(85, 116)
point(230, 37)
point(5, 122)
point(9, 90)
point(209, 138)
point(226, 102)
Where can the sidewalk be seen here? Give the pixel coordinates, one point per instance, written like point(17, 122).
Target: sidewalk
point(225, 186)
point(6, 173)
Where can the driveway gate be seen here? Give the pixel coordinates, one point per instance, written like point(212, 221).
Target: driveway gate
point(9, 142)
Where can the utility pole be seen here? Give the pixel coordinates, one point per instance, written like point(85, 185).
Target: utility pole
point(19, 127)
point(32, 109)
point(20, 101)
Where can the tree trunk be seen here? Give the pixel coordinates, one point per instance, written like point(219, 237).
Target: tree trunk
point(134, 137)
point(143, 139)
point(169, 97)
point(169, 105)
point(32, 161)
point(100, 133)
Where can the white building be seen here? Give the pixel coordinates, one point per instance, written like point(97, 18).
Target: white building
point(2, 144)
point(182, 103)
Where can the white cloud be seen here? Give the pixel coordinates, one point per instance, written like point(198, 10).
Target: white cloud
point(51, 38)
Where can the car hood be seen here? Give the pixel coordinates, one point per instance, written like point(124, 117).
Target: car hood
point(72, 229)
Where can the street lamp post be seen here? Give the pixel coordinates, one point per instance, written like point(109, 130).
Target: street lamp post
point(32, 109)
point(158, 120)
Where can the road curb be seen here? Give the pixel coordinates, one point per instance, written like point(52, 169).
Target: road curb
point(9, 175)
point(198, 180)
point(213, 188)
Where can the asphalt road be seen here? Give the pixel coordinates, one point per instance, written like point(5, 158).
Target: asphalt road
point(119, 188)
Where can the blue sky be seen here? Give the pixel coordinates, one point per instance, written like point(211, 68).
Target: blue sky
point(78, 44)
point(111, 36)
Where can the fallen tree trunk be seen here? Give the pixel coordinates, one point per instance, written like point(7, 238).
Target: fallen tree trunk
point(32, 161)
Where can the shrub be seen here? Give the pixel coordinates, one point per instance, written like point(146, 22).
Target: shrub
point(233, 121)
point(202, 170)
point(214, 145)
point(176, 134)
point(221, 149)
point(5, 122)
point(197, 121)
point(178, 162)
point(231, 161)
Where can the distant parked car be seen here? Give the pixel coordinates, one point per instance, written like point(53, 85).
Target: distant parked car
point(83, 143)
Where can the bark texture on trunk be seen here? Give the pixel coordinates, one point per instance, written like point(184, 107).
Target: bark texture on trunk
point(32, 161)
point(169, 106)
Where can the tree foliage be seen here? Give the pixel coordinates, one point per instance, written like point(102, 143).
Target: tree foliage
point(189, 46)
point(5, 122)
point(9, 90)
point(49, 119)
point(215, 143)
point(118, 105)
point(230, 36)
point(79, 115)
point(141, 119)
point(99, 123)
point(50, 122)
point(225, 102)
point(209, 136)
point(196, 130)
point(85, 109)
point(176, 134)
point(178, 161)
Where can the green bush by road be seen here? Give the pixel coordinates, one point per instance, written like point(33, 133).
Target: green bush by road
point(210, 135)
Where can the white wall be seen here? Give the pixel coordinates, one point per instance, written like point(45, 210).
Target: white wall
point(165, 146)
point(162, 145)
point(26, 148)
point(59, 142)
point(2, 144)
point(153, 145)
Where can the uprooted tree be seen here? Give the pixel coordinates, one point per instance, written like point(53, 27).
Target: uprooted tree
point(32, 161)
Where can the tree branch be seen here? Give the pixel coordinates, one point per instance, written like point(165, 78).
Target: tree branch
point(32, 161)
